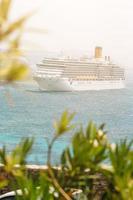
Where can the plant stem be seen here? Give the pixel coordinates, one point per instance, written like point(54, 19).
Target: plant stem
point(50, 150)
point(57, 185)
point(51, 173)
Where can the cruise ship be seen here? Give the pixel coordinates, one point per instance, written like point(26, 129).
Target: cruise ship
point(67, 74)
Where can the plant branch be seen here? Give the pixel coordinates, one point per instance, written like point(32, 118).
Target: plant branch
point(51, 173)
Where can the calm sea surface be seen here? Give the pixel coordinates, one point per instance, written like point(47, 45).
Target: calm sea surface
point(25, 111)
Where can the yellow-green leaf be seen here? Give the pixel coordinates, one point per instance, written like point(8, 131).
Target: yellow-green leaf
point(4, 10)
point(14, 26)
point(64, 124)
point(15, 43)
point(16, 71)
point(3, 183)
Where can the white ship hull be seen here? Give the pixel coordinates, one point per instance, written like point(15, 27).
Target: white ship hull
point(66, 74)
point(64, 84)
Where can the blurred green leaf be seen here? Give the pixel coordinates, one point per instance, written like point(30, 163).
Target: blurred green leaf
point(4, 10)
point(3, 183)
point(14, 72)
point(17, 157)
point(14, 26)
point(63, 125)
point(10, 36)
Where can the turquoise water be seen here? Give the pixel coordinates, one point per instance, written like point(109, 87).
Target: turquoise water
point(25, 111)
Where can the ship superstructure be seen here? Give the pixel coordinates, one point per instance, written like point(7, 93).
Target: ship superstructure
point(67, 74)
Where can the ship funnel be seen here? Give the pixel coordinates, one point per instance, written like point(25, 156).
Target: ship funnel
point(98, 52)
point(108, 58)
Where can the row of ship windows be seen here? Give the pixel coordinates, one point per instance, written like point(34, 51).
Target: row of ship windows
point(75, 64)
point(85, 76)
point(93, 74)
point(89, 78)
point(80, 68)
point(90, 75)
point(105, 79)
point(96, 75)
point(83, 73)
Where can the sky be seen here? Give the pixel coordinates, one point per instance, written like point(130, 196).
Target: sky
point(77, 26)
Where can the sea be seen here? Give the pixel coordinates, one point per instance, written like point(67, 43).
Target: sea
point(25, 111)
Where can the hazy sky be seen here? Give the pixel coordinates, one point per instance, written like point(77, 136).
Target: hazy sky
point(80, 25)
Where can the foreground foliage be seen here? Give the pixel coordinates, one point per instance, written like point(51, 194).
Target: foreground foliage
point(82, 167)
point(12, 68)
point(82, 164)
